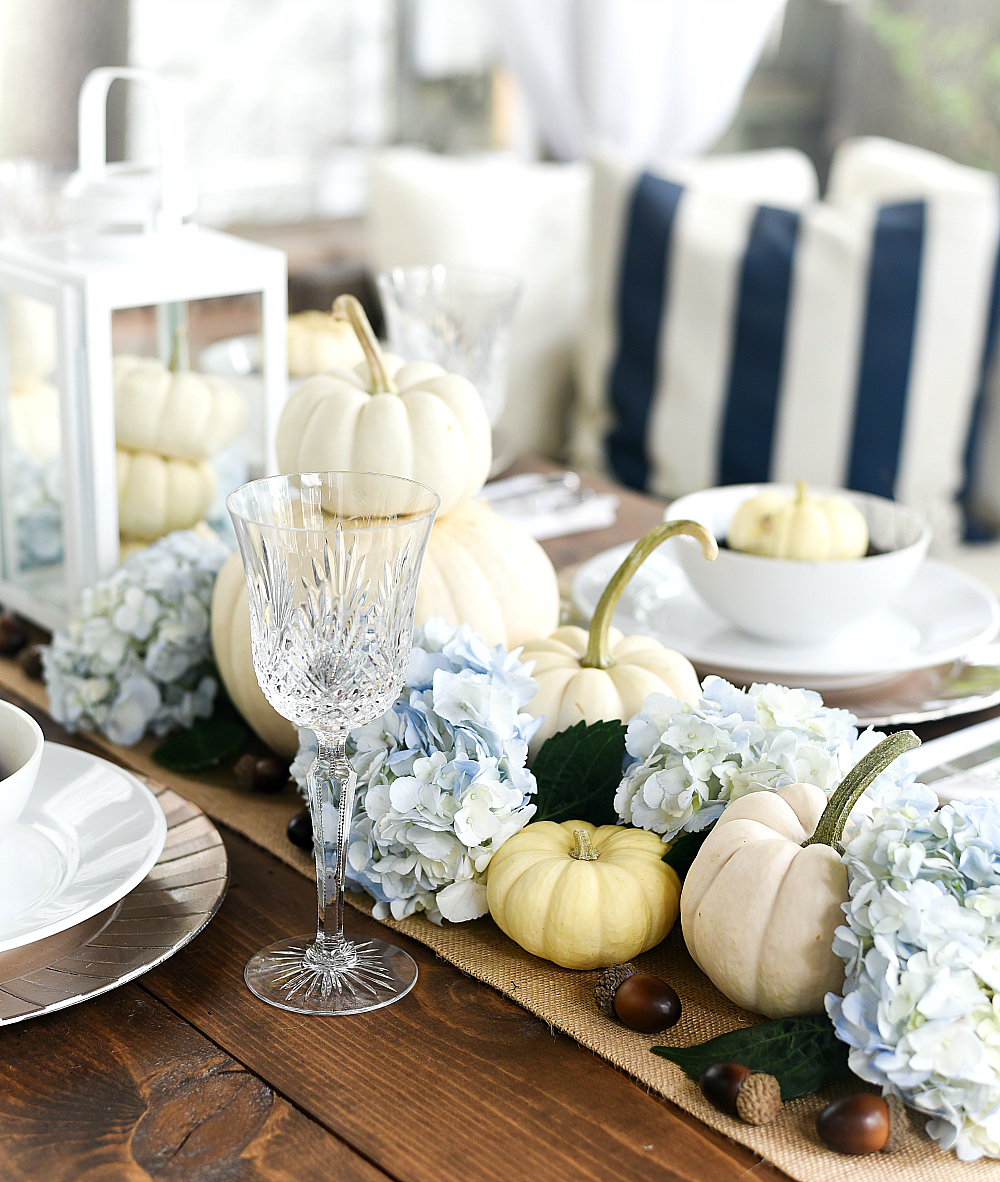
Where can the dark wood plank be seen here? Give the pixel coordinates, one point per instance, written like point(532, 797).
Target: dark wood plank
point(121, 1088)
point(453, 1081)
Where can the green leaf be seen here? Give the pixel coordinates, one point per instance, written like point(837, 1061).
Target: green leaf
point(578, 772)
point(801, 1053)
point(205, 744)
point(684, 849)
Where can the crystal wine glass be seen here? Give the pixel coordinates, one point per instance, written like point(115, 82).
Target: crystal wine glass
point(331, 561)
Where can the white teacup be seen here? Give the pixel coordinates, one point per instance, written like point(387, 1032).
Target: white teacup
point(21, 744)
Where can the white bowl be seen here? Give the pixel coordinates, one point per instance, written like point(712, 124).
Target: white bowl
point(788, 600)
point(21, 743)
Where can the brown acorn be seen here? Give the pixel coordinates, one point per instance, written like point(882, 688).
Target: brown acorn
point(639, 1001)
point(265, 773)
point(753, 1096)
point(863, 1123)
point(13, 635)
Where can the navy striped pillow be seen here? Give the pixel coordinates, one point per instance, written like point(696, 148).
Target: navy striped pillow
point(894, 441)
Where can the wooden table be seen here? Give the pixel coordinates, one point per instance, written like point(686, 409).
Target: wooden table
point(185, 1075)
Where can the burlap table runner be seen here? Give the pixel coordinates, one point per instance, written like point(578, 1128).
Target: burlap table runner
point(564, 998)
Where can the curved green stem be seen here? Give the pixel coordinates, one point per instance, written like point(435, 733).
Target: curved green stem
point(830, 828)
point(348, 307)
point(598, 655)
point(180, 357)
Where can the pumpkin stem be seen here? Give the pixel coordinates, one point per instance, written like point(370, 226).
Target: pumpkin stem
point(598, 655)
point(180, 357)
point(583, 848)
point(830, 828)
point(800, 493)
point(348, 307)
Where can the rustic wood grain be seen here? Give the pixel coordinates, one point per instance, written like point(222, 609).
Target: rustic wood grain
point(453, 1081)
point(122, 1089)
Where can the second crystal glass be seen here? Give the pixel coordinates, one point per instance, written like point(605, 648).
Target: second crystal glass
point(331, 562)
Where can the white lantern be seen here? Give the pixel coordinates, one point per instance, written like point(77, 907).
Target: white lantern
point(126, 276)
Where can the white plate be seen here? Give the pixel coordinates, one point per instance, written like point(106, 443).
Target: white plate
point(89, 834)
point(943, 614)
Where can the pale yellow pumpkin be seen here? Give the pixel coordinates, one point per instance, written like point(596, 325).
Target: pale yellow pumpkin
point(34, 419)
point(318, 342)
point(778, 524)
point(580, 895)
point(170, 410)
point(410, 420)
point(157, 494)
point(595, 675)
point(764, 895)
point(478, 569)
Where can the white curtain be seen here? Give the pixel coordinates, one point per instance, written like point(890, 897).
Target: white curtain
point(651, 77)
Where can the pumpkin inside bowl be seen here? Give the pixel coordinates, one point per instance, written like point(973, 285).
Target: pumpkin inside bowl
point(795, 601)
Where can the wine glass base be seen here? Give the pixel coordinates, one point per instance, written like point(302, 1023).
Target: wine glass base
point(292, 976)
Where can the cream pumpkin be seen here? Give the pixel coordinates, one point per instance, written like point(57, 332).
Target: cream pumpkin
point(318, 341)
point(478, 569)
point(589, 676)
point(34, 419)
point(410, 420)
point(764, 895)
point(188, 416)
point(157, 494)
point(797, 525)
point(580, 895)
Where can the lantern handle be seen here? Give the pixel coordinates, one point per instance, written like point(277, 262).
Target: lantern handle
point(93, 147)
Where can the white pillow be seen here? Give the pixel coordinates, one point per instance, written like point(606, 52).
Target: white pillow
point(500, 213)
point(749, 335)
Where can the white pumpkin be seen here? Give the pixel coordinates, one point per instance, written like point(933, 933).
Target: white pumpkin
point(765, 893)
point(595, 675)
point(170, 410)
point(478, 569)
point(31, 334)
point(34, 419)
point(318, 341)
point(157, 494)
point(778, 524)
point(410, 420)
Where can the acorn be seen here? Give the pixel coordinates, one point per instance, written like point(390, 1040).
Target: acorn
point(264, 773)
point(300, 830)
point(863, 1123)
point(30, 660)
point(639, 1001)
point(13, 635)
point(753, 1096)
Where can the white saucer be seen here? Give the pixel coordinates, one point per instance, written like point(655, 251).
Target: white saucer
point(943, 614)
point(89, 834)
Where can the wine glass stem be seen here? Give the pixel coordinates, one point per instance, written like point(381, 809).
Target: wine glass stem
point(331, 767)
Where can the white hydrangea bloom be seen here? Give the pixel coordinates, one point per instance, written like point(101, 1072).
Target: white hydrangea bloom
point(921, 1004)
point(684, 764)
point(442, 781)
point(136, 656)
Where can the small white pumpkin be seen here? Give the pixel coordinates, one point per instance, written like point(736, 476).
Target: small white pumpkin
point(478, 569)
point(589, 676)
point(318, 341)
point(34, 419)
point(157, 494)
point(764, 894)
point(170, 410)
point(777, 524)
point(410, 420)
point(31, 337)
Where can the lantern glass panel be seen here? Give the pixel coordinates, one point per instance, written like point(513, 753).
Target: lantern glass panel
point(31, 501)
point(217, 341)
